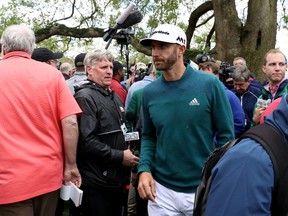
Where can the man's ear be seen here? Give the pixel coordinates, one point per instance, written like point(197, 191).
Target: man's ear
point(88, 70)
point(264, 69)
point(182, 49)
point(71, 73)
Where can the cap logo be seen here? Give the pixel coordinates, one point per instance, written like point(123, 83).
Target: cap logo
point(181, 40)
point(160, 32)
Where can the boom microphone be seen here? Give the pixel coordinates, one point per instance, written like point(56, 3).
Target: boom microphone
point(119, 21)
point(133, 18)
point(125, 14)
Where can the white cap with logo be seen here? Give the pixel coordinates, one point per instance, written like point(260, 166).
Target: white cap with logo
point(140, 66)
point(166, 33)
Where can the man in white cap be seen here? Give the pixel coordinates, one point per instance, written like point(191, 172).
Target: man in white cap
point(182, 112)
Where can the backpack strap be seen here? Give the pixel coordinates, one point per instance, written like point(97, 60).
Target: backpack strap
point(204, 187)
point(276, 146)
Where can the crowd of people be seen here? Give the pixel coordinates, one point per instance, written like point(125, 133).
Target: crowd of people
point(65, 123)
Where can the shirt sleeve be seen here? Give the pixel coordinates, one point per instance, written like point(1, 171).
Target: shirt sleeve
point(238, 114)
point(148, 141)
point(222, 117)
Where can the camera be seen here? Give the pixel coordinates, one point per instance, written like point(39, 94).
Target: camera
point(141, 70)
point(225, 72)
point(140, 74)
point(123, 36)
point(204, 57)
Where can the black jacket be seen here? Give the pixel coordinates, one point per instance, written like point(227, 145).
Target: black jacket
point(101, 141)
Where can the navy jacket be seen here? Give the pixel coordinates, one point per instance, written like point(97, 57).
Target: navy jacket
point(243, 179)
point(248, 100)
point(238, 113)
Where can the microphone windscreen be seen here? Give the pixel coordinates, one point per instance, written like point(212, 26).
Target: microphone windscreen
point(265, 97)
point(130, 116)
point(125, 14)
point(133, 18)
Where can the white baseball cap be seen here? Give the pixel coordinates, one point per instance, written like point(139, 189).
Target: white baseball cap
point(140, 65)
point(166, 33)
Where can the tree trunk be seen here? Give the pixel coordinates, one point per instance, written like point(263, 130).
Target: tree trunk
point(251, 40)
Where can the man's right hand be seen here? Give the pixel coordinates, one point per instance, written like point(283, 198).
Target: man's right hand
point(146, 186)
point(71, 173)
point(258, 113)
point(129, 159)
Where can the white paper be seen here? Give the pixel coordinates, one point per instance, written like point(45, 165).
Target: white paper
point(72, 192)
point(76, 195)
point(65, 192)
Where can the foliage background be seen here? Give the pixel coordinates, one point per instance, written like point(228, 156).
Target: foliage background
point(74, 26)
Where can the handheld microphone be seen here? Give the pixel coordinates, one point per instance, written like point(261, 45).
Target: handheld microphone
point(264, 102)
point(130, 118)
point(119, 21)
point(134, 135)
point(265, 97)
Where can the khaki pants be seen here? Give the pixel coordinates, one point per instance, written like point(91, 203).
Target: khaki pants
point(132, 203)
point(44, 205)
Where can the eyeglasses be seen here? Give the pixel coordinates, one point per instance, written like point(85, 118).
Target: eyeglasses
point(55, 61)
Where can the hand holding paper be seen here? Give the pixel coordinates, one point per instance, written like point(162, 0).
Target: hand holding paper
point(72, 192)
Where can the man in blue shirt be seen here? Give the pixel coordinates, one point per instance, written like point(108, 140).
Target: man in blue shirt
point(238, 112)
point(243, 179)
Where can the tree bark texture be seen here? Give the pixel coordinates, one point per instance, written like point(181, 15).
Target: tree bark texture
point(250, 40)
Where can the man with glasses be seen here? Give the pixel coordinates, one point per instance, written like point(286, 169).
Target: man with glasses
point(46, 55)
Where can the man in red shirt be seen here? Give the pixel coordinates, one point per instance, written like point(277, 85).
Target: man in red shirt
point(118, 76)
point(38, 129)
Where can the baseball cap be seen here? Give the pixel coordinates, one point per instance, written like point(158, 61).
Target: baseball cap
point(139, 66)
point(44, 55)
point(79, 60)
point(166, 33)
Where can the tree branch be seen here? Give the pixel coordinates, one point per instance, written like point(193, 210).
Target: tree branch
point(63, 30)
point(205, 21)
point(70, 16)
point(194, 17)
point(209, 37)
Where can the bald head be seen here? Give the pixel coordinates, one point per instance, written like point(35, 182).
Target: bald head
point(67, 68)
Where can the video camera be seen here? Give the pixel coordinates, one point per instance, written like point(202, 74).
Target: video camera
point(204, 57)
point(123, 36)
point(141, 70)
point(225, 72)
